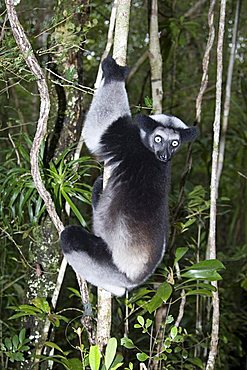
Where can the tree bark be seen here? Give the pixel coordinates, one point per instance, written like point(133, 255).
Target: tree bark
point(120, 55)
point(228, 95)
point(155, 59)
point(211, 248)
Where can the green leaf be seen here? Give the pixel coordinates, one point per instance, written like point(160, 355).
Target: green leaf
point(74, 208)
point(127, 343)
point(94, 357)
point(148, 323)
point(22, 335)
point(141, 321)
point(212, 264)
point(42, 304)
point(196, 361)
point(141, 356)
point(202, 275)
point(203, 292)
point(15, 341)
point(110, 352)
point(8, 343)
point(163, 293)
point(74, 364)
point(118, 361)
point(174, 332)
point(180, 252)
point(53, 345)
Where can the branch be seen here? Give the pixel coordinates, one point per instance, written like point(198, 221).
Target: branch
point(194, 8)
point(108, 43)
point(211, 249)
point(99, 74)
point(155, 59)
point(228, 95)
point(137, 65)
point(119, 53)
point(28, 54)
point(205, 62)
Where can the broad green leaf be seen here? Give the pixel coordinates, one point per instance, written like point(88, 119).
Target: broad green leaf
point(196, 361)
point(212, 264)
point(74, 364)
point(53, 345)
point(94, 357)
point(154, 303)
point(22, 335)
point(174, 332)
point(118, 362)
point(197, 285)
point(110, 352)
point(210, 275)
point(148, 323)
point(8, 343)
point(141, 356)
point(27, 307)
point(203, 292)
point(15, 341)
point(42, 304)
point(127, 343)
point(180, 252)
point(141, 321)
point(163, 293)
point(20, 314)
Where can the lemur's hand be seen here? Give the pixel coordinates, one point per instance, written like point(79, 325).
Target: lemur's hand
point(112, 71)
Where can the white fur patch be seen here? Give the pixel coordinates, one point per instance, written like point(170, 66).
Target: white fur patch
point(110, 102)
point(165, 119)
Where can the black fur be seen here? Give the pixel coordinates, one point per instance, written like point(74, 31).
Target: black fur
point(131, 213)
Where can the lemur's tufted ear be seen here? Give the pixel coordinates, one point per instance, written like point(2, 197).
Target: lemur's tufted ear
point(189, 134)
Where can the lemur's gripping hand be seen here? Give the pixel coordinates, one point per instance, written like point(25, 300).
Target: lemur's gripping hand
point(112, 71)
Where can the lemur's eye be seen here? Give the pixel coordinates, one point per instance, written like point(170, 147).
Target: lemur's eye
point(175, 143)
point(158, 139)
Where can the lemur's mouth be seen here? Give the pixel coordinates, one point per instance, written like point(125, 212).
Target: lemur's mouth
point(163, 157)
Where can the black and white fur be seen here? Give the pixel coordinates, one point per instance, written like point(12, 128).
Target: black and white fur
point(130, 216)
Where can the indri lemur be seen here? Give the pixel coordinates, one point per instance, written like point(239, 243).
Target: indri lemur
point(130, 215)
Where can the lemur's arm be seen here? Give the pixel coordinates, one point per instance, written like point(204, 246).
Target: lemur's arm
point(110, 102)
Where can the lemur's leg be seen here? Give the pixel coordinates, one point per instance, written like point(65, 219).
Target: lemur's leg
point(97, 190)
point(109, 103)
point(90, 257)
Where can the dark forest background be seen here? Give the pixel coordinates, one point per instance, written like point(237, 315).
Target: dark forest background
point(68, 38)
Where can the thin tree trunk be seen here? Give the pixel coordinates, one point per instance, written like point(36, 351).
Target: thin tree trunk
point(211, 248)
point(155, 59)
point(120, 54)
point(204, 84)
point(228, 95)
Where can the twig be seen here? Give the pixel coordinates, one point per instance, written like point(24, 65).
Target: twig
point(181, 308)
point(205, 61)
point(137, 65)
point(194, 8)
point(211, 248)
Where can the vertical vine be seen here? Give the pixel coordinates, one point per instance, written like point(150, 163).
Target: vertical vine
point(211, 248)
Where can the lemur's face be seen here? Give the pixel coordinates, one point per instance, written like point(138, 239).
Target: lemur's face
point(164, 142)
